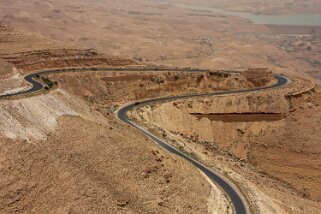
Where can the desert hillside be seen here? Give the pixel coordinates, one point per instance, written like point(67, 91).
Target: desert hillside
point(158, 107)
point(178, 35)
point(269, 134)
point(5, 68)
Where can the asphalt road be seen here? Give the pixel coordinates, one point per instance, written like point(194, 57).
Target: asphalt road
point(37, 85)
point(237, 199)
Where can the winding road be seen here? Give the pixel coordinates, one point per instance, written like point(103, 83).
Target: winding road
point(238, 200)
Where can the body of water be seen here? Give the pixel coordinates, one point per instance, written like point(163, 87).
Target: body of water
point(289, 20)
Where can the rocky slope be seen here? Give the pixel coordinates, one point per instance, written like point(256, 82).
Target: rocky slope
point(5, 68)
point(66, 152)
point(63, 58)
point(59, 154)
point(251, 137)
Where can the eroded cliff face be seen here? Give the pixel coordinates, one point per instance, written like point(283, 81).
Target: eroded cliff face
point(204, 119)
point(254, 137)
point(6, 69)
point(33, 119)
point(240, 104)
point(11, 80)
point(258, 76)
point(224, 119)
point(30, 61)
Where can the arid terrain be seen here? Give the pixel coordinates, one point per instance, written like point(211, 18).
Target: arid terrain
point(179, 35)
point(264, 138)
point(63, 150)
